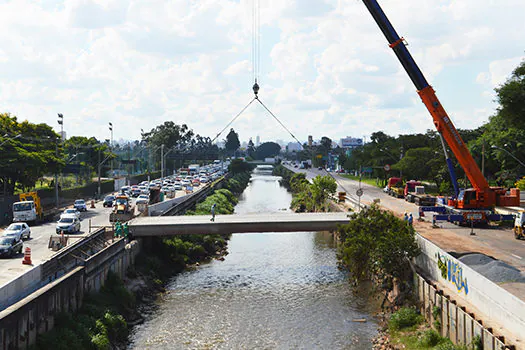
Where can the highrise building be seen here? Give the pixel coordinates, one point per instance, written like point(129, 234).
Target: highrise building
point(257, 141)
point(310, 140)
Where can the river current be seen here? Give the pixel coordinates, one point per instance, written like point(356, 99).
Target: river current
point(272, 291)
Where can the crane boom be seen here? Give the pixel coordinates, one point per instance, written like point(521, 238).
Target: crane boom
point(486, 197)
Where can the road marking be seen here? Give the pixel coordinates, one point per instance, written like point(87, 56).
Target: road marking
point(516, 256)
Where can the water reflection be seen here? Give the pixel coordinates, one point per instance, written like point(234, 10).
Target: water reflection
point(273, 291)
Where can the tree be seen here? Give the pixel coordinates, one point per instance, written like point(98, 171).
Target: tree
point(322, 188)
point(511, 97)
point(250, 150)
point(232, 142)
point(239, 166)
point(24, 159)
point(377, 245)
point(267, 149)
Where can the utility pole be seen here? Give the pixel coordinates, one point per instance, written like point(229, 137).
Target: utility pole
point(98, 192)
point(162, 163)
point(483, 158)
point(56, 175)
point(111, 144)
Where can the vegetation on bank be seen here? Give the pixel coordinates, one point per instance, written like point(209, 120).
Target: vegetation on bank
point(101, 321)
point(99, 324)
point(307, 197)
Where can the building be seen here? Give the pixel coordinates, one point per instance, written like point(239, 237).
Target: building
point(351, 142)
point(293, 147)
point(257, 141)
point(310, 140)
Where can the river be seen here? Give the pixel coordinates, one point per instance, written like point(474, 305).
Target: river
point(272, 291)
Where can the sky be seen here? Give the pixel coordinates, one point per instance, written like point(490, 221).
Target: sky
point(325, 69)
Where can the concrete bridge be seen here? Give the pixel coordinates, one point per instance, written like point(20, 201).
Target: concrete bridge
point(225, 224)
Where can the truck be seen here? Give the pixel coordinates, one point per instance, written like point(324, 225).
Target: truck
point(123, 209)
point(30, 209)
point(394, 187)
point(471, 205)
point(194, 169)
point(415, 193)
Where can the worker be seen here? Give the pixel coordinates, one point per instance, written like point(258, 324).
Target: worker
point(213, 212)
point(405, 218)
point(410, 219)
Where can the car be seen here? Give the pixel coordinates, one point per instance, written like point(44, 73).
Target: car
point(185, 182)
point(80, 205)
point(108, 201)
point(68, 224)
point(203, 179)
point(10, 245)
point(195, 182)
point(143, 198)
point(136, 192)
point(329, 170)
point(20, 230)
point(71, 211)
point(320, 168)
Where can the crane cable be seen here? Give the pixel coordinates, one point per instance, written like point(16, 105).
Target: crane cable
point(234, 118)
point(299, 142)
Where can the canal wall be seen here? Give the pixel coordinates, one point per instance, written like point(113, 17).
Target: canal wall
point(21, 322)
point(459, 290)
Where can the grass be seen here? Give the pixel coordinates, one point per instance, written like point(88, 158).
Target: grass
point(366, 180)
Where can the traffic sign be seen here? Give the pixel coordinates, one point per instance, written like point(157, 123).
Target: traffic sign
point(387, 167)
point(359, 192)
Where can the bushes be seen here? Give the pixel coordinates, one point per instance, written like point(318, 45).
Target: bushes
point(404, 318)
point(429, 338)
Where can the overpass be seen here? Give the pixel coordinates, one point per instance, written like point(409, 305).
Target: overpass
point(225, 224)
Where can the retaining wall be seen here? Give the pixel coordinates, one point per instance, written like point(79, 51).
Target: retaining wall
point(494, 302)
point(21, 322)
point(453, 321)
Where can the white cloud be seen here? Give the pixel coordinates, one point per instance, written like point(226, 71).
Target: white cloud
point(325, 66)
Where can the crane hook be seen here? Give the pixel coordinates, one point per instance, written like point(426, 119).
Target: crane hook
point(255, 88)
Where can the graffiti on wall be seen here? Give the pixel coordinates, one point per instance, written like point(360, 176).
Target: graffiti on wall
point(453, 272)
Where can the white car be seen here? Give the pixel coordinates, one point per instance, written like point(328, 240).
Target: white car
point(186, 182)
point(203, 179)
point(20, 230)
point(177, 185)
point(80, 205)
point(143, 198)
point(71, 211)
point(68, 224)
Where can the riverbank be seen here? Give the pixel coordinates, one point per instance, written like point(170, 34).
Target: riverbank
point(106, 317)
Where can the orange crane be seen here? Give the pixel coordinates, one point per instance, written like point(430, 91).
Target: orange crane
point(473, 204)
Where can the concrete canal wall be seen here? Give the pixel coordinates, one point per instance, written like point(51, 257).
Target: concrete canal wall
point(455, 288)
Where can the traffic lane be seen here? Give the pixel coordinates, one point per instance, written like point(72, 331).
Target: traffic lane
point(493, 240)
point(11, 268)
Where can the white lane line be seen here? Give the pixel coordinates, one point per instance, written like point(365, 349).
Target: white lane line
point(516, 256)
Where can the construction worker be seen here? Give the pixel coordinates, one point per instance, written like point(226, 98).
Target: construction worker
point(410, 219)
point(405, 218)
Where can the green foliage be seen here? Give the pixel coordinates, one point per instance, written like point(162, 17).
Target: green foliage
point(322, 188)
point(238, 166)
point(429, 338)
point(232, 142)
point(238, 182)
point(267, 150)
point(100, 342)
point(375, 243)
point(311, 197)
point(520, 184)
point(477, 344)
point(404, 318)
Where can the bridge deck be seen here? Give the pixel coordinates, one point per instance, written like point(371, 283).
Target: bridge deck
point(224, 224)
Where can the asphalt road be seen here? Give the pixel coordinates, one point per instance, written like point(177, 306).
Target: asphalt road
point(493, 240)
point(11, 268)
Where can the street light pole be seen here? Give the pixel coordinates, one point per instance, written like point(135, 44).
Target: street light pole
point(162, 163)
point(99, 169)
point(111, 144)
point(510, 154)
point(9, 138)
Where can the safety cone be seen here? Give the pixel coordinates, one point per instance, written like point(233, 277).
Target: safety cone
point(27, 257)
point(92, 204)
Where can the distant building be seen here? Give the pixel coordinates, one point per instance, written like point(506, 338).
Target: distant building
point(351, 142)
point(294, 147)
point(257, 141)
point(310, 140)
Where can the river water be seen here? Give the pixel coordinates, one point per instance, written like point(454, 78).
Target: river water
point(272, 291)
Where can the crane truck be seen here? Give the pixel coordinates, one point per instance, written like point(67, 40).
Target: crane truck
point(472, 205)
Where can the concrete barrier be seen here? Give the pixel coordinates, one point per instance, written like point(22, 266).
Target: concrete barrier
point(494, 302)
point(21, 286)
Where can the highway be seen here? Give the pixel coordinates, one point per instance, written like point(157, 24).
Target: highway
point(11, 268)
point(494, 241)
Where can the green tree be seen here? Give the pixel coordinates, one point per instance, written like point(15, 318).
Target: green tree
point(322, 188)
point(376, 245)
point(511, 98)
point(250, 150)
point(36, 152)
point(232, 142)
point(267, 149)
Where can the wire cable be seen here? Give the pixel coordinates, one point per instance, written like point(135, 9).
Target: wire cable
point(231, 121)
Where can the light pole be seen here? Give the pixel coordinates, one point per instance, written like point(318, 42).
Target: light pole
point(394, 157)
point(510, 154)
point(111, 144)
point(99, 169)
point(162, 163)
point(9, 138)
point(61, 123)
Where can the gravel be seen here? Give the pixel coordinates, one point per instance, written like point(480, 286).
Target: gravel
point(495, 270)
